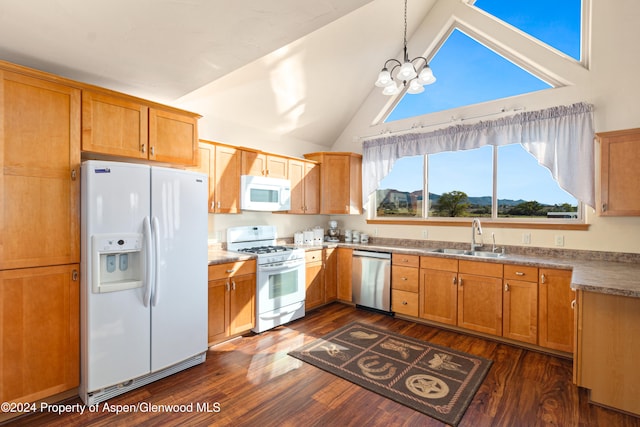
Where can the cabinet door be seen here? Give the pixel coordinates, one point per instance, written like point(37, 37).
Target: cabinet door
point(556, 319)
point(277, 167)
point(39, 332)
point(345, 285)
point(620, 181)
point(335, 185)
point(311, 188)
point(227, 180)
point(480, 303)
point(253, 163)
point(173, 137)
point(520, 311)
point(330, 274)
point(439, 296)
point(242, 304)
point(314, 285)
point(218, 309)
point(296, 177)
point(39, 172)
point(206, 165)
point(115, 126)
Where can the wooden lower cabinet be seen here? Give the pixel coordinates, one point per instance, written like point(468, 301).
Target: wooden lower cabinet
point(314, 277)
point(331, 274)
point(608, 349)
point(480, 303)
point(439, 289)
point(345, 283)
point(39, 332)
point(520, 303)
point(405, 284)
point(555, 315)
point(232, 296)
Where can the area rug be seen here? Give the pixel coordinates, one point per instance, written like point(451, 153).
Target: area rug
point(435, 380)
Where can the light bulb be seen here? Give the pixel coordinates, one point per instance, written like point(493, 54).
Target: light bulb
point(391, 89)
point(384, 78)
point(426, 76)
point(407, 71)
point(415, 87)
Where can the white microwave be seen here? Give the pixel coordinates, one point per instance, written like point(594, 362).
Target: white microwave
point(261, 193)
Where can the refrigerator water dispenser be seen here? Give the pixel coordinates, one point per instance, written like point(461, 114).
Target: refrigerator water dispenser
point(117, 262)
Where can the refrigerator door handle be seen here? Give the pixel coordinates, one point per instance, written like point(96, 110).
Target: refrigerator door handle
point(155, 228)
point(146, 224)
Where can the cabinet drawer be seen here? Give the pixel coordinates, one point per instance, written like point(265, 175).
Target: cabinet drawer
point(404, 278)
point(437, 263)
point(404, 302)
point(313, 256)
point(521, 272)
point(480, 268)
point(406, 260)
point(229, 269)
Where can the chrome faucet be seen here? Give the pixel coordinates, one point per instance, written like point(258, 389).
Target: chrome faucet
point(475, 224)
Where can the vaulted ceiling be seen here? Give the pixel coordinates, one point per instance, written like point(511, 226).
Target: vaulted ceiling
point(305, 65)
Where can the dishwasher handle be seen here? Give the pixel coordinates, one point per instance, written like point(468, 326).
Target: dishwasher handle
point(371, 254)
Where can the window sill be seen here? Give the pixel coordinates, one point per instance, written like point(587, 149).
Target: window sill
point(486, 222)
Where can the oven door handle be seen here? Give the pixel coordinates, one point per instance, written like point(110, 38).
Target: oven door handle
point(281, 265)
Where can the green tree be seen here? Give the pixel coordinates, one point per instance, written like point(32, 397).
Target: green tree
point(532, 208)
point(454, 203)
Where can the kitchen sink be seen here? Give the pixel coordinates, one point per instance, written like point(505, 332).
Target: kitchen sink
point(479, 254)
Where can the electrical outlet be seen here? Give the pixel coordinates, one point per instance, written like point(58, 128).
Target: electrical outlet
point(559, 239)
point(425, 234)
point(375, 231)
point(526, 238)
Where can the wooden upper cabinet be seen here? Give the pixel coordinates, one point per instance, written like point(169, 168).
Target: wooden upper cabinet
point(619, 178)
point(173, 137)
point(305, 187)
point(226, 180)
point(118, 125)
point(340, 182)
point(40, 178)
point(113, 125)
point(262, 164)
point(222, 164)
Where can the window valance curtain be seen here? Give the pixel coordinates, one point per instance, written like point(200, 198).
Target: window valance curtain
point(561, 138)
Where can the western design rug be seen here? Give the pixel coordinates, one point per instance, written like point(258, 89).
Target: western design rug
point(435, 380)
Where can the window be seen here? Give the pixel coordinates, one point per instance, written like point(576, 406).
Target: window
point(556, 23)
point(462, 184)
point(468, 73)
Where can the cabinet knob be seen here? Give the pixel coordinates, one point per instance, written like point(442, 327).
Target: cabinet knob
point(455, 280)
point(230, 271)
point(404, 278)
point(152, 151)
point(143, 148)
point(74, 174)
point(404, 303)
point(573, 305)
point(506, 287)
point(519, 273)
point(542, 278)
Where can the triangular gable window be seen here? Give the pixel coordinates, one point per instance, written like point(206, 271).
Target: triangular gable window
point(556, 23)
point(468, 73)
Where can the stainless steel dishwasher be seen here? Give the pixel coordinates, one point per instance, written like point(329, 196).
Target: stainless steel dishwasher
point(371, 277)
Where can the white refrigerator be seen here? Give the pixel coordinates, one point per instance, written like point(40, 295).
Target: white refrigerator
point(143, 275)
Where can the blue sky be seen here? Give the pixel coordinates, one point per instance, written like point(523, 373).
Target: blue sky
point(469, 73)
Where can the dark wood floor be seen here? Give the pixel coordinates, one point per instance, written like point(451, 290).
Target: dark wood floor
point(252, 382)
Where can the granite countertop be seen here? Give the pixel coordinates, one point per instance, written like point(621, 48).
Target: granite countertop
point(602, 276)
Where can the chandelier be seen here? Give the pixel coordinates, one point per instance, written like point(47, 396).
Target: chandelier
point(406, 73)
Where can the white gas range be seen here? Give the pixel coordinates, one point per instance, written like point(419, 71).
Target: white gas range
point(280, 276)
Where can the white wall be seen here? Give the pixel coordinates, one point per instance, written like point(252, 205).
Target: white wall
point(610, 83)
